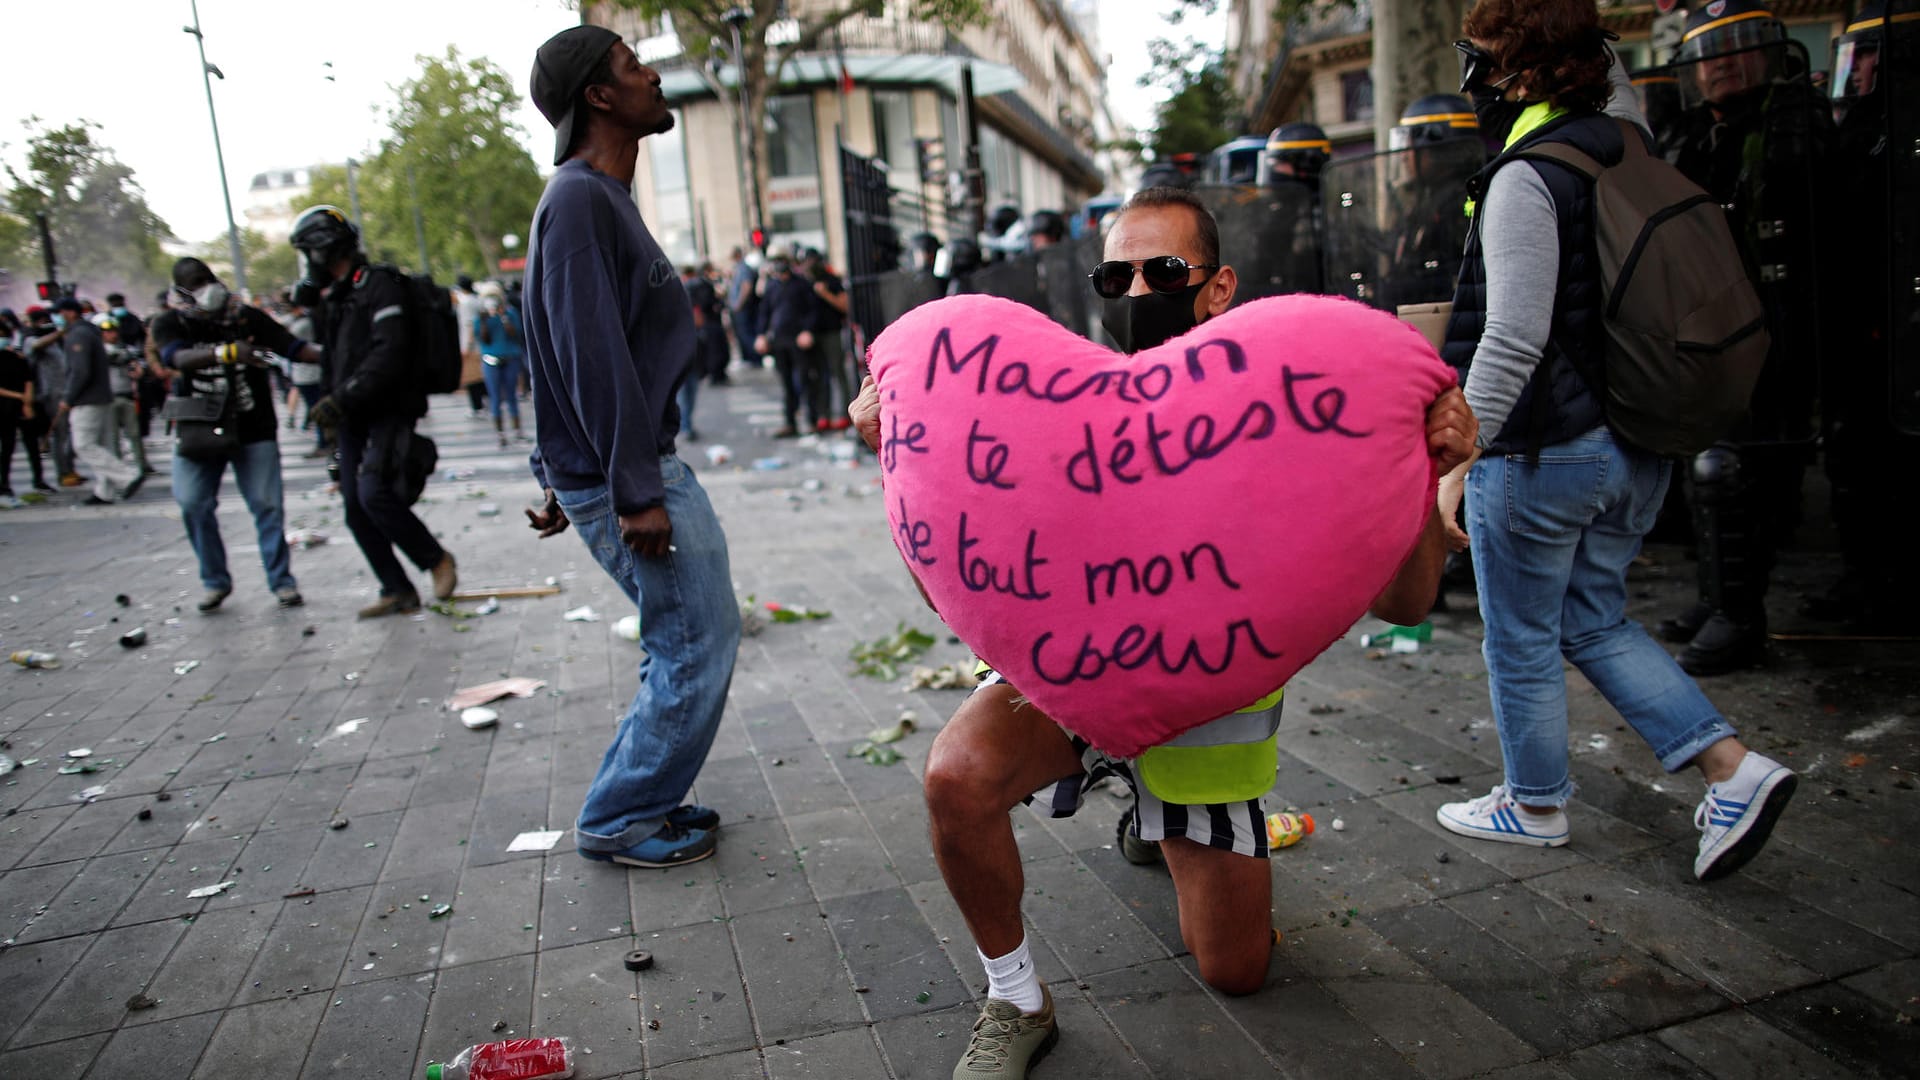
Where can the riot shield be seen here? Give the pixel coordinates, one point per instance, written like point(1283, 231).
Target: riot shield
point(1754, 137)
point(1269, 234)
point(1396, 222)
point(1900, 69)
point(900, 291)
point(1068, 295)
point(1016, 278)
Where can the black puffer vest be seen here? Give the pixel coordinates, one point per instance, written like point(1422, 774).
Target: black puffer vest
point(1560, 402)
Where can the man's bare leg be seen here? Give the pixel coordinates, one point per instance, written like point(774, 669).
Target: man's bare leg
point(990, 755)
point(1226, 912)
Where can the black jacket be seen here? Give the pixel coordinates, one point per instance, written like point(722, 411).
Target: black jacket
point(371, 363)
point(1559, 402)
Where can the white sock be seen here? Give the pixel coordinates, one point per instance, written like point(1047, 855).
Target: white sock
point(1011, 978)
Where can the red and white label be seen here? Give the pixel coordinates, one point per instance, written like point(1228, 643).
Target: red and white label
point(521, 1059)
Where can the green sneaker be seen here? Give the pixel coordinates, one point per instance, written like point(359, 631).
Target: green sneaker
point(1006, 1042)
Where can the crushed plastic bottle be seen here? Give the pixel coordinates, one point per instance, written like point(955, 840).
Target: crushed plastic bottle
point(1400, 639)
point(512, 1059)
point(29, 659)
point(627, 627)
point(1286, 830)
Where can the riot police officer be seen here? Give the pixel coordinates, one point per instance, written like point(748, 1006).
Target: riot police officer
point(1862, 435)
point(1434, 148)
point(1752, 128)
point(1295, 154)
point(379, 391)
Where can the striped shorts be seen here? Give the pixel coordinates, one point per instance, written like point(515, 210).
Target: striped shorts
point(1239, 827)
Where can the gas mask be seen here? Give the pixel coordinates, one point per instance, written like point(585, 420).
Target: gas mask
point(210, 299)
point(1138, 323)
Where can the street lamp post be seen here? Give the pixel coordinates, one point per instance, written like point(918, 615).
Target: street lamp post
point(737, 19)
point(207, 72)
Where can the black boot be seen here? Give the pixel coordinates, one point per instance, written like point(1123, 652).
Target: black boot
point(1682, 627)
point(1725, 644)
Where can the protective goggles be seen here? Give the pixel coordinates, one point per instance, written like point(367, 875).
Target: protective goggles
point(1162, 273)
point(1476, 64)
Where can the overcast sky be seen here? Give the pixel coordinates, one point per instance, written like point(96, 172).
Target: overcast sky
point(137, 76)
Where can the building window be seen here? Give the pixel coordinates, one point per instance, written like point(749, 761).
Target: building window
point(795, 211)
point(673, 204)
point(893, 135)
point(1356, 96)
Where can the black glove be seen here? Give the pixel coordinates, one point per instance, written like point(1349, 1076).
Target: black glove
point(326, 413)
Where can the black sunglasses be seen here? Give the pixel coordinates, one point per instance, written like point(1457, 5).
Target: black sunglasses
point(1475, 63)
point(1162, 273)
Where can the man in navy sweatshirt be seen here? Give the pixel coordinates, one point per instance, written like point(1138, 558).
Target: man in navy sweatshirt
point(609, 337)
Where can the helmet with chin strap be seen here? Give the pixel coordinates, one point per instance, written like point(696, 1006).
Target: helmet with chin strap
point(325, 235)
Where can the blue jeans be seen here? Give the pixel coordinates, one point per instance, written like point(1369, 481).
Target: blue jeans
point(1551, 546)
point(684, 399)
point(196, 487)
point(690, 628)
point(503, 384)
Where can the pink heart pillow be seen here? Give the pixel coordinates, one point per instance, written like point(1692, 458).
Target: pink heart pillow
point(1142, 544)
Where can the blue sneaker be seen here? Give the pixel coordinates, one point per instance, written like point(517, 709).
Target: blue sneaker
point(1737, 815)
point(1495, 816)
point(671, 846)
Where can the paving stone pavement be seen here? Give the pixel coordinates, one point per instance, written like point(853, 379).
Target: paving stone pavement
point(820, 941)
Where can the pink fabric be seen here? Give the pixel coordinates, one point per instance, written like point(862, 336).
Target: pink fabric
point(1141, 544)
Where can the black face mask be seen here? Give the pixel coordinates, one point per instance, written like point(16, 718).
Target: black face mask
point(1496, 116)
point(1138, 323)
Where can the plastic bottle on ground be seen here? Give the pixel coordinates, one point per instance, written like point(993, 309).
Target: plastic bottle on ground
point(1286, 830)
point(28, 659)
point(512, 1059)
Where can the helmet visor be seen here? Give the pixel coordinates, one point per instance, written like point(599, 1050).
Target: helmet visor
point(1856, 67)
point(1722, 78)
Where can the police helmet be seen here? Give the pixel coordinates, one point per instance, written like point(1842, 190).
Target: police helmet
point(924, 242)
point(964, 256)
point(1047, 223)
point(1163, 174)
point(1302, 146)
point(1004, 217)
point(104, 321)
point(1431, 119)
point(325, 235)
point(1856, 52)
point(1726, 26)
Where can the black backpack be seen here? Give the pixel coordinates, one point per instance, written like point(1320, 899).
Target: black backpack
point(1686, 335)
point(433, 330)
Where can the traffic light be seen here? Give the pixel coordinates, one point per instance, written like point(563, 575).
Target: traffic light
point(759, 237)
point(49, 290)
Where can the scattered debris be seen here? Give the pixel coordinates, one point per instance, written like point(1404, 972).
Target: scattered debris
point(1441, 856)
point(627, 627)
point(27, 658)
point(751, 621)
point(1874, 730)
point(1401, 639)
point(185, 666)
point(486, 692)
point(1324, 710)
point(123, 600)
point(145, 814)
point(509, 592)
point(769, 464)
point(1339, 825)
point(786, 613)
point(205, 891)
point(479, 717)
point(302, 539)
point(719, 455)
point(7, 764)
point(79, 768)
point(955, 676)
point(141, 1001)
point(440, 911)
point(488, 510)
point(80, 752)
point(583, 613)
point(639, 960)
point(880, 659)
point(134, 638)
point(488, 606)
point(305, 890)
point(876, 748)
point(337, 824)
point(499, 1025)
point(537, 840)
point(1855, 761)
point(87, 795)
point(1447, 778)
point(341, 730)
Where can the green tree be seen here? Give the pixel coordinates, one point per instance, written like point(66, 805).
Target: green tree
point(105, 235)
point(454, 151)
point(1200, 111)
point(270, 266)
point(703, 30)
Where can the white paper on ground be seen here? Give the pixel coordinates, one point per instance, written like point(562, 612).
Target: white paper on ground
point(540, 840)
